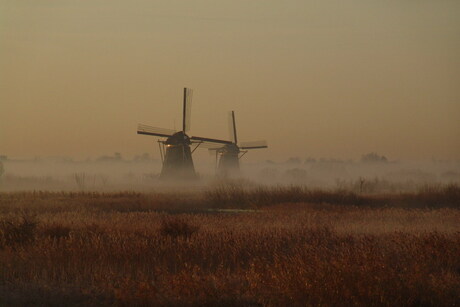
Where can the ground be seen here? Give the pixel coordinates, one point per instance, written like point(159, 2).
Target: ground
point(268, 247)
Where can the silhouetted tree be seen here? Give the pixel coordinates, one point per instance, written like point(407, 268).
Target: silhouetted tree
point(116, 157)
point(293, 160)
point(373, 157)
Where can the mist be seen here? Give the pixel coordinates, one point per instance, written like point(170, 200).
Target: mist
point(373, 173)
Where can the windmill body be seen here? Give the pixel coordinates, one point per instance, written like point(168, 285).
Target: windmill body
point(176, 151)
point(178, 162)
point(229, 160)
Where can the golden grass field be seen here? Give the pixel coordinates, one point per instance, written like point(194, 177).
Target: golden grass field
point(278, 247)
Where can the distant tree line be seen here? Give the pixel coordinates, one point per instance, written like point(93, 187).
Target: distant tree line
point(366, 158)
point(373, 157)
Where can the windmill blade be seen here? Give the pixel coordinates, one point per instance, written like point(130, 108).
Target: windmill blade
point(232, 127)
point(209, 140)
point(186, 119)
point(155, 131)
point(254, 145)
point(210, 146)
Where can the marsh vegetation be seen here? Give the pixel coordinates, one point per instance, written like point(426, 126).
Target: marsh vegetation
point(294, 247)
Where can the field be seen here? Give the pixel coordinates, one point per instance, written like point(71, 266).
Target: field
point(231, 246)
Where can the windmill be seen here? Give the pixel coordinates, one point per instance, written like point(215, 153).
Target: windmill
point(175, 146)
point(228, 156)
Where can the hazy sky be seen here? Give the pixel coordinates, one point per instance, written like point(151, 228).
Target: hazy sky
point(314, 78)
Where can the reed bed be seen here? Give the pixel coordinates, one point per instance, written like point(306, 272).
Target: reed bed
point(131, 249)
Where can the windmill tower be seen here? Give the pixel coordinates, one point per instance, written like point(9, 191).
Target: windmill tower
point(228, 156)
point(176, 150)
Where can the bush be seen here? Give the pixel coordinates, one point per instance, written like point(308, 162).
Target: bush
point(56, 231)
point(178, 227)
point(373, 157)
point(13, 232)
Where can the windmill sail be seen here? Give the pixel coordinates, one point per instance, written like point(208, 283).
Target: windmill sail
point(155, 131)
point(232, 127)
point(209, 140)
point(187, 109)
point(254, 145)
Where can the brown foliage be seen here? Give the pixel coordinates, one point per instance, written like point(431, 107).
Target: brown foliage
point(17, 231)
point(177, 227)
point(56, 231)
point(239, 196)
point(82, 251)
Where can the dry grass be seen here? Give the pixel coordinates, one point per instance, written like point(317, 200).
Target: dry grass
point(303, 249)
point(238, 195)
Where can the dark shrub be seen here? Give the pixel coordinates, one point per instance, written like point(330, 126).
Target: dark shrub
point(17, 232)
point(56, 231)
point(178, 227)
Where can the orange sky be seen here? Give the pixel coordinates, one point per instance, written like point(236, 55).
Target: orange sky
point(313, 78)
